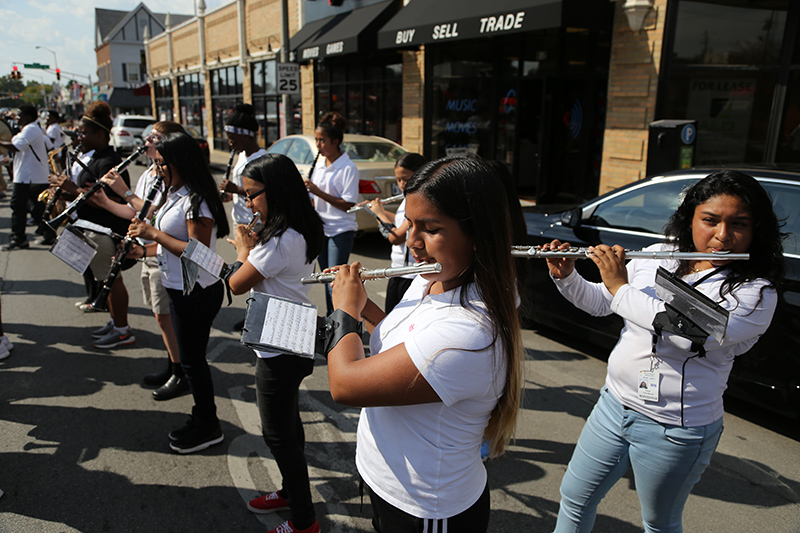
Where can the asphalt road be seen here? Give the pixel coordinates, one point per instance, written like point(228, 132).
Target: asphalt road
point(83, 446)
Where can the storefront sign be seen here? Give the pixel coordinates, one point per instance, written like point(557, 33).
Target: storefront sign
point(310, 53)
point(334, 48)
point(445, 31)
point(511, 21)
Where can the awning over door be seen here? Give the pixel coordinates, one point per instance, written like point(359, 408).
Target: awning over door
point(435, 21)
point(347, 33)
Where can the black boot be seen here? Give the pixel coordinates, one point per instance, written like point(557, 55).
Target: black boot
point(156, 380)
point(175, 385)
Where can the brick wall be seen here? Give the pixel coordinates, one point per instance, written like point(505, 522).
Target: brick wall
point(633, 80)
point(413, 100)
point(222, 34)
point(307, 95)
point(159, 56)
point(186, 46)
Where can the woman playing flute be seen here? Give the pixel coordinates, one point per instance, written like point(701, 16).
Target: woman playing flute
point(445, 369)
point(660, 411)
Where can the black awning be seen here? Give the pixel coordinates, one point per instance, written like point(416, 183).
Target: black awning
point(312, 30)
point(347, 33)
point(426, 21)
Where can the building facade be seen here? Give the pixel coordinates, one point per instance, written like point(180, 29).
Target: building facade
point(560, 91)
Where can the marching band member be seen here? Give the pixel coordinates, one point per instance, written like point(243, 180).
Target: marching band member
point(191, 209)
point(445, 369)
point(93, 133)
point(273, 261)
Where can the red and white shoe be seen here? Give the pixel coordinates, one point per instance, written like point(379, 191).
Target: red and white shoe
point(269, 503)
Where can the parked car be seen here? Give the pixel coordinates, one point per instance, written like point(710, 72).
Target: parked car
point(374, 157)
point(634, 216)
point(191, 130)
point(126, 130)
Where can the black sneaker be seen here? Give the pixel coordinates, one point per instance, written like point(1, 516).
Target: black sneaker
point(198, 438)
point(15, 245)
point(181, 432)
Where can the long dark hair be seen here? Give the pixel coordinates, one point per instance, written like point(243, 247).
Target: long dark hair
point(766, 248)
point(469, 191)
point(287, 202)
point(183, 153)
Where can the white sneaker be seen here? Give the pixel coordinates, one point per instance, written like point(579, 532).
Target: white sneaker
point(4, 352)
point(7, 343)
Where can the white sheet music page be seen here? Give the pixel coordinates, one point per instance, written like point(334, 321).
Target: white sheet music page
point(290, 326)
point(74, 249)
point(205, 258)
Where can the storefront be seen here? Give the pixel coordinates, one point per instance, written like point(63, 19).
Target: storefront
point(192, 103)
point(163, 99)
point(226, 92)
point(520, 82)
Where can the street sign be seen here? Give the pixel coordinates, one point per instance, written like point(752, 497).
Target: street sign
point(288, 78)
point(36, 65)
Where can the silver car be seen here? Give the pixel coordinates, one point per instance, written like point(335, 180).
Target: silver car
point(126, 130)
point(374, 157)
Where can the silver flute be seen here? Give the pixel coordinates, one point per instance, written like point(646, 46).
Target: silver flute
point(419, 268)
point(389, 200)
point(252, 223)
point(533, 252)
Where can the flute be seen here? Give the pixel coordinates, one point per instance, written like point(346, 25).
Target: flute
point(75, 204)
point(532, 252)
point(252, 223)
point(419, 268)
point(389, 200)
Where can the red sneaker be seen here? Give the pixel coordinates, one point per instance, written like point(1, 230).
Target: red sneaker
point(288, 527)
point(268, 503)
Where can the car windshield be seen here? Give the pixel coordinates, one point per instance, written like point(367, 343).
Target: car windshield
point(136, 122)
point(372, 151)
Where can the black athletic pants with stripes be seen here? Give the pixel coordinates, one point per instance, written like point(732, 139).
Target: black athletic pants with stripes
point(386, 518)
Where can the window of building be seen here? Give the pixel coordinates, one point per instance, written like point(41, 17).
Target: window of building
point(164, 102)
point(266, 102)
point(191, 99)
point(226, 92)
point(724, 68)
point(367, 91)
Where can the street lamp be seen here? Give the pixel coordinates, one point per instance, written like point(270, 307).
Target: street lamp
point(55, 57)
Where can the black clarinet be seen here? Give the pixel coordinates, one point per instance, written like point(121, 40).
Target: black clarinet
point(76, 204)
point(313, 166)
point(101, 302)
point(227, 173)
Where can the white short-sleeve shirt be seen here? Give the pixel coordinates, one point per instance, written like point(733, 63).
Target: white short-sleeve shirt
point(401, 256)
point(30, 162)
point(425, 459)
point(340, 180)
point(171, 219)
point(56, 135)
point(282, 262)
point(241, 214)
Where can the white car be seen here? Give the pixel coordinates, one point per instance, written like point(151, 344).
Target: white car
point(374, 157)
point(127, 129)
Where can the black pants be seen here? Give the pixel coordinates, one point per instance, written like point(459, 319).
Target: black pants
point(386, 518)
point(277, 387)
point(395, 290)
point(22, 193)
point(192, 316)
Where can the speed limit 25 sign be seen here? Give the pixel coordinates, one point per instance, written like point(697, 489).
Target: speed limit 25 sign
point(288, 78)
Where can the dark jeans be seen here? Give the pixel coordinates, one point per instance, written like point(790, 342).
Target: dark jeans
point(395, 289)
point(192, 316)
point(277, 382)
point(335, 251)
point(386, 518)
point(22, 193)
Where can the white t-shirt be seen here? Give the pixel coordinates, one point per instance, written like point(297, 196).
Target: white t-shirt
point(401, 256)
point(341, 181)
point(282, 262)
point(56, 135)
point(240, 213)
point(30, 162)
point(425, 459)
point(171, 219)
point(705, 378)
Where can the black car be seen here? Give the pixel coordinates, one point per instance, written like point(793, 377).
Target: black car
point(634, 216)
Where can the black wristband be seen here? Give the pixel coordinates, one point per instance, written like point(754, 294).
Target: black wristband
point(337, 325)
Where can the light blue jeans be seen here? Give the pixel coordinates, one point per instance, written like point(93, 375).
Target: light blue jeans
point(667, 461)
point(335, 251)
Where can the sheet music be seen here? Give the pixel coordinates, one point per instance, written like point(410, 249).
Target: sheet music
point(200, 254)
point(74, 249)
point(290, 326)
point(91, 226)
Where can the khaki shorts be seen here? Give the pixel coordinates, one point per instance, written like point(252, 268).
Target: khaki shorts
point(106, 250)
point(155, 295)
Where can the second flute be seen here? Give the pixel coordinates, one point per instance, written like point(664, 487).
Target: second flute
point(419, 268)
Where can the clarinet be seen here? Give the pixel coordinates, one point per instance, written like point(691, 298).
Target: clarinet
point(313, 165)
point(76, 204)
point(101, 302)
point(51, 202)
point(227, 173)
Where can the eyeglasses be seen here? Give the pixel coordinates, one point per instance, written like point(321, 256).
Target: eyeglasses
point(253, 196)
point(153, 138)
point(160, 165)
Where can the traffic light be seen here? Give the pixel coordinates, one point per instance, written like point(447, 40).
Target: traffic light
point(15, 73)
point(58, 74)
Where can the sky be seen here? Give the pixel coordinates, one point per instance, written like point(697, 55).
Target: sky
point(67, 28)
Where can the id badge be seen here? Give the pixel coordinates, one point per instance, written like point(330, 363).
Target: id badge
point(648, 385)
